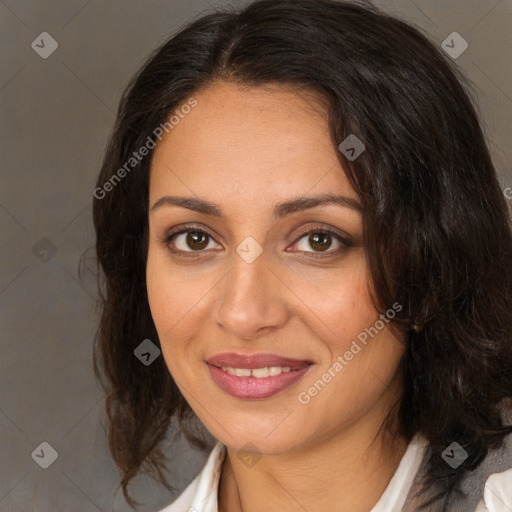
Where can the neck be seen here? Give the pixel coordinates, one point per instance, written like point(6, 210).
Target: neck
point(348, 472)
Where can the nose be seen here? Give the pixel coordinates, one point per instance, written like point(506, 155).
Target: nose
point(251, 299)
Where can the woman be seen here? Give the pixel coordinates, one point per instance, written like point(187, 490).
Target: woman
point(297, 207)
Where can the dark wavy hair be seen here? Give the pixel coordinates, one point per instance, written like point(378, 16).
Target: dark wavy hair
point(435, 221)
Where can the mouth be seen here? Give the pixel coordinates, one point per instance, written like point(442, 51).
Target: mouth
point(255, 377)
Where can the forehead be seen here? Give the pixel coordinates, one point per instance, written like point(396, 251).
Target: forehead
point(250, 142)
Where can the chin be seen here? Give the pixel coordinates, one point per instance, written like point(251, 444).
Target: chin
point(258, 440)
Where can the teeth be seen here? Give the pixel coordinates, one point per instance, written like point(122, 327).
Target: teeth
point(259, 373)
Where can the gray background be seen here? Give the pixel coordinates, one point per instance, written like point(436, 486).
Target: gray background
point(56, 115)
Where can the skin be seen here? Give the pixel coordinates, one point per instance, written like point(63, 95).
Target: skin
point(246, 150)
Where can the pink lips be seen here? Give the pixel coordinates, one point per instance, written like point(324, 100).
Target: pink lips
point(252, 387)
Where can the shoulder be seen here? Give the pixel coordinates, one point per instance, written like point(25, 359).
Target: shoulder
point(492, 476)
point(488, 488)
point(497, 495)
point(495, 476)
point(199, 495)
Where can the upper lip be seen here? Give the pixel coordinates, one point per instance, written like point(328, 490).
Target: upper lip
point(255, 361)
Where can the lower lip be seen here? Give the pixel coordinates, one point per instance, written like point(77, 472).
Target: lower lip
point(252, 388)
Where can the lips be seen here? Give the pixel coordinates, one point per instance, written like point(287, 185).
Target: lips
point(255, 361)
point(284, 371)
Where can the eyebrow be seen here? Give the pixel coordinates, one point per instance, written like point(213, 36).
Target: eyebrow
point(280, 210)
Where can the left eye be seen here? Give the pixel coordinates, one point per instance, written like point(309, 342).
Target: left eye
point(321, 240)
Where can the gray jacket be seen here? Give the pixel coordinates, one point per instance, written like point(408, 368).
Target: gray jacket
point(473, 485)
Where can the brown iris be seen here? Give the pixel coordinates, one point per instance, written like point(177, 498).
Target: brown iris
point(196, 237)
point(320, 241)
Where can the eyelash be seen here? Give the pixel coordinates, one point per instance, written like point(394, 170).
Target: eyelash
point(318, 255)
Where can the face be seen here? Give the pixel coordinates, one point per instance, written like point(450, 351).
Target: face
point(254, 282)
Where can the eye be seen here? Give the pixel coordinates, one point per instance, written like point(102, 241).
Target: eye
point(189, 239)
point(321, 240)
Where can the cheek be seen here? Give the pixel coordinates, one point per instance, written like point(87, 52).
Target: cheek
point(354, 338)
point(359, 333)
point(169, 300)
point(347, 309)
point(172, 293)
point(179, 301)
point(342, 302)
